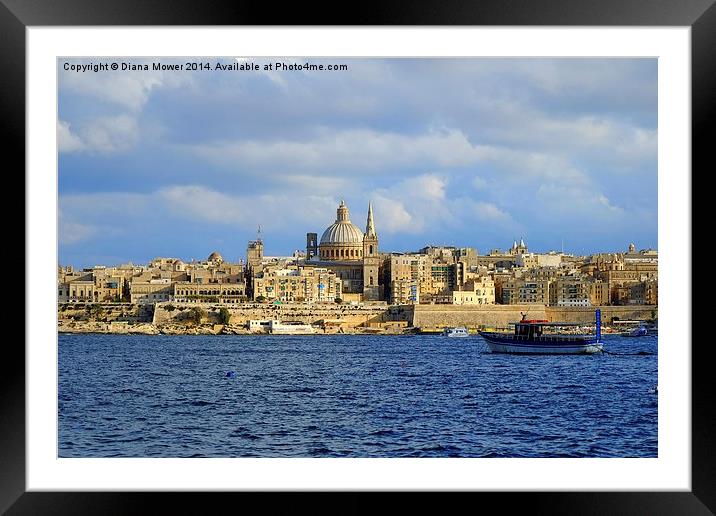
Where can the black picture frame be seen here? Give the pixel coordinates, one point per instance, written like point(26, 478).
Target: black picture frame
point(700, 15)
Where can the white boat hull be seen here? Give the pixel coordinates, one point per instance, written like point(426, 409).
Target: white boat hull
point(577, 349)
point(456, 332)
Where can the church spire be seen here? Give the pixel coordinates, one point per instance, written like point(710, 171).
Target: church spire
point(370, 225)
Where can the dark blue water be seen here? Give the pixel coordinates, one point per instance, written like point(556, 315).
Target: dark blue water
point(350, 396)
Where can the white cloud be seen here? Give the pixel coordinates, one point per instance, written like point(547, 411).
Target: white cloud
point(519, 165)
point(577, 202)
point(272, 211)
point(421, 204)
point(167, 211)
point(130, 89)
point(428, 187)
point(67, 141)
point(103, 135)
point(486, 211)
point(527, 129)
point(393, 217)
point(348, 149)
point(71, 232)
point(605, 202)
point(343, 153)
point(111, 134)
point(204, 204)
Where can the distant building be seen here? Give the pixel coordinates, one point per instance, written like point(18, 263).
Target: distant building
point(297, 284)
point(570, 291)
point(223, 293)
point(476, 292)
point(533, 260)
point(352, 255)
point(151, 290)
point(518, 249)
point(405, 273)
point(534, 291)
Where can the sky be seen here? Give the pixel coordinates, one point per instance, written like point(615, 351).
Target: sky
point(469, 152)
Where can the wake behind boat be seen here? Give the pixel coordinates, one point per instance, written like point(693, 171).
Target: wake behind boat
point(530, 337)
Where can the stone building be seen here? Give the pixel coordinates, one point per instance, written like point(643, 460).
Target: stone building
point(255, 255)
point(404, 275)
point(150, 290)
point(352, 255)
point(298, 284)
point(223, 293)
point(516, 248)
point(533, 260)
point(476, 292)
point(534, 291)
point(570, 290)
point(97, 285)
point(598, 293)
point(510, 290)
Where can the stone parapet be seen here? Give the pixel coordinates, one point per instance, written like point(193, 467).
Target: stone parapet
point(442, 316)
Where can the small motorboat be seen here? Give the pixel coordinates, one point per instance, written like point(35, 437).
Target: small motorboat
point(459, 331)
point(641, 331)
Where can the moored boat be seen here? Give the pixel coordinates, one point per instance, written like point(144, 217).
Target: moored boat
point(641, 331)
point(276, 327)
point(459, 331)
point(530, 337)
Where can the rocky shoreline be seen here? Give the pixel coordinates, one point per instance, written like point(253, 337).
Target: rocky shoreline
point(123, 328)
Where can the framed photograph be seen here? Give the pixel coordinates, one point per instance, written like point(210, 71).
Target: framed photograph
point(360, 194)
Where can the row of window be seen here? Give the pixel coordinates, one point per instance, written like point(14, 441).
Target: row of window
point(343, 253)
point(210, 292)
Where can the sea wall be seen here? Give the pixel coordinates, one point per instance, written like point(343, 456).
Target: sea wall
point(609, 313)
point(316, 314)
point(179, 318)
point(441, 316)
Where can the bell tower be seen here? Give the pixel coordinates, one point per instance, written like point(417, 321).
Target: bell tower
point(372, 291)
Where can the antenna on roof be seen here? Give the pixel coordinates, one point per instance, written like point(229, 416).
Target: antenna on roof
point(258, 234)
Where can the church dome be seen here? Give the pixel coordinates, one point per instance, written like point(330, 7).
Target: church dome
point(342, 231)
point(215, 257)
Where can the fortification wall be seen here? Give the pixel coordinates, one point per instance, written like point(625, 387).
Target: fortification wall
point(441, 316)
point(423, 316)
point(586, 314)
point(105, 312)
point(304, 313)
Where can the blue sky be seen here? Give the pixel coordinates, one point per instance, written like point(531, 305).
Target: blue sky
point(465, 152)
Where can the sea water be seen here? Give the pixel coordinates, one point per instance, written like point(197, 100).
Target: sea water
point(350, 396)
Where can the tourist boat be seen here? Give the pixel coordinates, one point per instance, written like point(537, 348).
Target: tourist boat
point(529, 337)
point(459, 331)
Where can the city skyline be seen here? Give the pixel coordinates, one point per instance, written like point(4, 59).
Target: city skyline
point(289, 252)
point(458, 152)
